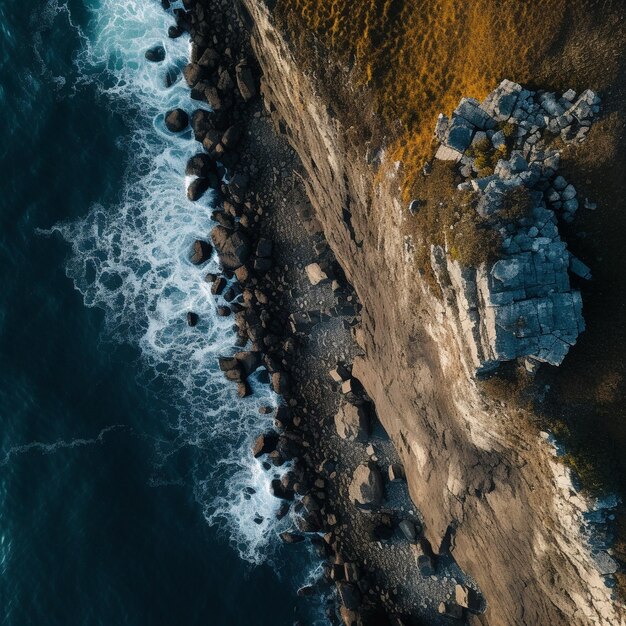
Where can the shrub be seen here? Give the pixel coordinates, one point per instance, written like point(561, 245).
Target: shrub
point(516, 204)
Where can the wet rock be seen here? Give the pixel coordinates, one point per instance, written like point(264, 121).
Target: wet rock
point(194, 73)
point(264, 248)
point(233, 247)
point(197, 189)
point(201, 252)
point(243, 389)
point(280, 382)
point(192, 319)
point(451, 610)
point(349, 595)
point(223, 311)
point(264, 444)
point(249, 360)
point(174, 31)
point(350, 618)
point(352, 423)
point(156, 54)
point(279, 491)
point(408, 530)
point(366, 487)
point(171, 76)
point(209, 59)
point(176, 120)
point(245, 81)
point(231, 137)
point(200, 165)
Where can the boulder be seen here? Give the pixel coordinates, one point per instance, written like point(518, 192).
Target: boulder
point(156, 54)
point(197, 188)
point(233, 246)
point(352, 423)
point(408, 530)
point(192, 318)
point(349, 595)
point(315, 273)
point(396, 472)
point(200, 165)
point(264, 444)
point(176, 120)
point(210, 58)
point(194, 73)
point(279, 382)
point(201, 252)
point(366, 487)
point(245, 81)
point(249, 360)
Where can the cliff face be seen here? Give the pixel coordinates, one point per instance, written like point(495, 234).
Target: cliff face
point(471, 469)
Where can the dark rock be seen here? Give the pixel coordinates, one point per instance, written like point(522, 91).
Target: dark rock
point(245, 81)
point(243, 389)
point(176, 120)
point(227, 363)
point(250, 361)
point(233, 247)
point(199, 165)
point(218, 286)
point(349, 595)
point(278, 491)
point(264, 248)
point(213, 98)
point(210, 58)
point(194, 73)
point(262, 265)
point(290, 538)
point(223, 311)
point(408, 530)
point(201, 252)
point(231, 136)
point(173, 32)
point(280, 382)
point(156, 54)
point(192, 318)
point(197, 188)
point(264, 444)
point(171, 76)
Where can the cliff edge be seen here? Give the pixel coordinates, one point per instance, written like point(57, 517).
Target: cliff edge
point(492, 489)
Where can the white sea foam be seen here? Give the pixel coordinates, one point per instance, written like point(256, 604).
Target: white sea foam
point(132, 260)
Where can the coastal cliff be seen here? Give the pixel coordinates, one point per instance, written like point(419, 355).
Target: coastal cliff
point(482, 482)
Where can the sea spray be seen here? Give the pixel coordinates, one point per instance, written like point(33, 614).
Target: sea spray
point(132, 260)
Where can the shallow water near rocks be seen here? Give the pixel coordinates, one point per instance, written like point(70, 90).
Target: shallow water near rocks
point(124, 455)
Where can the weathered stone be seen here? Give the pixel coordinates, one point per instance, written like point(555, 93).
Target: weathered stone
point(201, 252)
point(156, 54)
point(315, 273)
point(366, 487)
point(176, 120)
point(352, 423)
point(245, 81)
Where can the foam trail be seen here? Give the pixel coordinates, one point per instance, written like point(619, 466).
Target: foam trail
point(51, 448)
point(132, 260)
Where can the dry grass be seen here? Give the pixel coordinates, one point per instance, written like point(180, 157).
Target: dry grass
point(420, 57)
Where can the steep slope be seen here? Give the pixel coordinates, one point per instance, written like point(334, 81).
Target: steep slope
point(470, 467)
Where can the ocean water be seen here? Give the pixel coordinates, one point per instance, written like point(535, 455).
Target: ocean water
point(127, 491)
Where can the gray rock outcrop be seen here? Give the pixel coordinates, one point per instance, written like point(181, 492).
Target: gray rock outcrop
point(521, 305)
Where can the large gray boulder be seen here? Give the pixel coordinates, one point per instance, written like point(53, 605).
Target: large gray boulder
point(351, 422)
point(366, 487)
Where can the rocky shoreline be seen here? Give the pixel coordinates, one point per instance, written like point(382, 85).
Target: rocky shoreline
point(297, 322)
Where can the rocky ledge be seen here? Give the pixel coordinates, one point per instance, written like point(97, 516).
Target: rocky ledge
point(521, 304)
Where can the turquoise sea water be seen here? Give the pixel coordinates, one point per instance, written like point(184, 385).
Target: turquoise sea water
point(127, 494)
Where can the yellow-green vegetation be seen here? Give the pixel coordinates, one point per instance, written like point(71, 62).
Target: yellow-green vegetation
point(516, 204)
point(486, 157)
point(420, 57)
point(448, 217)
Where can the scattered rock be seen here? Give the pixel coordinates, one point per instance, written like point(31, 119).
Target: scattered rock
point(201, 252)
point(315, 273)
point(352, 423)
point(156, 54)
point(192, 319)
point(176, 120)
point(366, 487)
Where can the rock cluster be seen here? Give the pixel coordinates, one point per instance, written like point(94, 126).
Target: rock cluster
point(521, 305)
